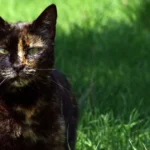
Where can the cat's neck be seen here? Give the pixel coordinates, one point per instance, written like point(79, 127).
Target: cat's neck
point(26, 96)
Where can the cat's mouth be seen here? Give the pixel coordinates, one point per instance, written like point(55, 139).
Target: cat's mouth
point(17, 79)
point(21, 79)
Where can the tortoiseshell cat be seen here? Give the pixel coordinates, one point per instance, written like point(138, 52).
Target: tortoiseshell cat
point(37, 109)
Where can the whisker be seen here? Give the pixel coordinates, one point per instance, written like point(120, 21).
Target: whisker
point(60, 86)
point(32, 73)
point(45, 69)
point(43, 81)
point(3, 81)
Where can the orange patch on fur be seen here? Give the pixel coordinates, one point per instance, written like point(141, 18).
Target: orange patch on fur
point(34, 41)
point(21, 53)
point(27, 43)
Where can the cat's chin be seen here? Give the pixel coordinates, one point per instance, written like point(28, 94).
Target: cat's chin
point(18, 83)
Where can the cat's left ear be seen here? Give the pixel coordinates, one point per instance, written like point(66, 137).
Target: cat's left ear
point(46, 22)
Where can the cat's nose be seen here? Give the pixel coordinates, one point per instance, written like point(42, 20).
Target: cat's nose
point(18, 67)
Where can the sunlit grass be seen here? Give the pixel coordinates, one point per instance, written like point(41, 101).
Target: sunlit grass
point(103, 48)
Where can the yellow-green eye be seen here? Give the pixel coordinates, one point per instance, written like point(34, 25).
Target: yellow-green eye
point(33, 51)
point(3, 51)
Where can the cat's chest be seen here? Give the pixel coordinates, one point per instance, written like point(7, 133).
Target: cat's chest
point(40, 122)
point(17, 121)
point(10, 128)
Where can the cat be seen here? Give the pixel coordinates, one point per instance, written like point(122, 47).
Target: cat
point(37, 108)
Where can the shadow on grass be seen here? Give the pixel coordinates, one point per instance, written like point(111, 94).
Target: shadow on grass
point(109, 70)
point(108, 67)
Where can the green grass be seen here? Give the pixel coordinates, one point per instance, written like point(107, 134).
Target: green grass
point(103, 46)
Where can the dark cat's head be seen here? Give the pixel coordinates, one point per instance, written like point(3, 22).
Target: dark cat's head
point(27, 49)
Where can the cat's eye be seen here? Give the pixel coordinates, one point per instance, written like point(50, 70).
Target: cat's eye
point(33, 51)
point(3, 51)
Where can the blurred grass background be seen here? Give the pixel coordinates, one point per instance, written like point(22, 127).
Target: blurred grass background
point(103, 46)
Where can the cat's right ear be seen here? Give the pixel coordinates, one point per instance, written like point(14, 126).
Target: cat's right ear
point(3, 25)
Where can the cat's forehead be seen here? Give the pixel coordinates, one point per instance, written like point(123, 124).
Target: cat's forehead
point(20, 25)
point(22, 33)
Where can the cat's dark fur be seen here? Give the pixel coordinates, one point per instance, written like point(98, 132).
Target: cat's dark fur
point(37, 109)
